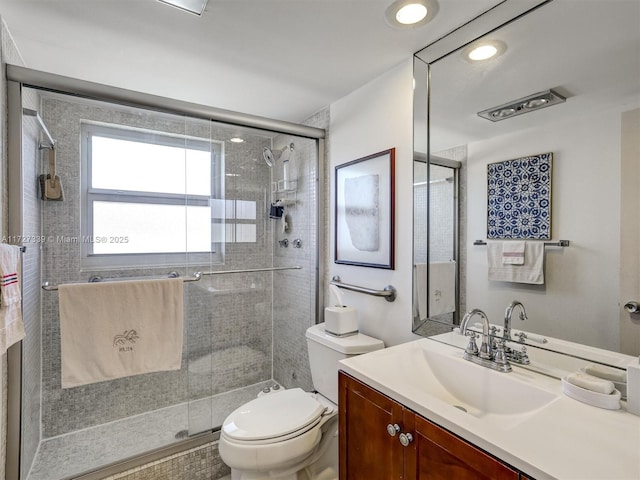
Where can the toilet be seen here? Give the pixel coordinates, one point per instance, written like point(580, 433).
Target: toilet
point(292, 434)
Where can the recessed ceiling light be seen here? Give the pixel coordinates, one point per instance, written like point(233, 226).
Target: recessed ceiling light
point(192, 6)
point(411, 13)
point(484, 50)
point(236, 140)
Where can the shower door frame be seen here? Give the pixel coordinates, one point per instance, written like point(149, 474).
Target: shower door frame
point(20, 77)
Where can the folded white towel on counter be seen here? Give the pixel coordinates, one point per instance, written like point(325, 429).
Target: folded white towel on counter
point(532, 271)
point(11, 325)
point(513, 253)
point(117, 329)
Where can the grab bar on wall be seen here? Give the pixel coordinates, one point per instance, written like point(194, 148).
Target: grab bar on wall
point(251, 270)
point(559, 243)
point(97, 279)
point(389, 292)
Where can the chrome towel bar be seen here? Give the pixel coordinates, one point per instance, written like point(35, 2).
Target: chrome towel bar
point(196, 276)
point(250, 270)
point(96, 279)
point(389, 292)
point(559, 243)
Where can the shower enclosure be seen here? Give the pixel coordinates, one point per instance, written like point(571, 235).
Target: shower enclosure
point(155, 188)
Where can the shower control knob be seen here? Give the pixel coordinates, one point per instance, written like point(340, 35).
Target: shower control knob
point(406, 439)
point(266, 389)
point(393, 429)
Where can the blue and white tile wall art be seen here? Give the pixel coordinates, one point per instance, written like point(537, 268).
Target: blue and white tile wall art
point(519, 198)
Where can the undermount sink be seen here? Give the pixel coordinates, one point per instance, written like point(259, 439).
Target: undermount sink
point(430, 372)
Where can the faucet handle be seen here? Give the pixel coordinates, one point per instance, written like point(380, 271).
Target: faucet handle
point(500, 357)
point(472, 348)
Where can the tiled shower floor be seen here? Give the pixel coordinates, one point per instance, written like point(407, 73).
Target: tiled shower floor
point(78, 452)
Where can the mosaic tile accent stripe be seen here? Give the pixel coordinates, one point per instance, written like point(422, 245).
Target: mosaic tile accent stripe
point(201, 463)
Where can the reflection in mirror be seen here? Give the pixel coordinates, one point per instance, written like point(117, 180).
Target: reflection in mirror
point(435, 190)
point(594, 140)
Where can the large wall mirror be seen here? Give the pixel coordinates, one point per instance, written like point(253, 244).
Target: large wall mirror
point(588, 53)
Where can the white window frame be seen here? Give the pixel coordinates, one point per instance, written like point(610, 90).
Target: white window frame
point(93, 261)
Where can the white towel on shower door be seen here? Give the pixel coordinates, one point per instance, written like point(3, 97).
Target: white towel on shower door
point(11, 326)
point(117, 329)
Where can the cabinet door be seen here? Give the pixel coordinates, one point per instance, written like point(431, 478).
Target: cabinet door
point(367, 450)
point(441, 455)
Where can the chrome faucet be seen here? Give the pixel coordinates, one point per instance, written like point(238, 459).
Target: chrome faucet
point(483, 356)
point(520, 355)
point(506, 334)
point(485, 349)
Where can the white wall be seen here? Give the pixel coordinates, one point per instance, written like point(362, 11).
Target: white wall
point(376, 117)
point(579, 300)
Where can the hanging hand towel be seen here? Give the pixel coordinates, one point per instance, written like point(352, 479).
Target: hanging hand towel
point(11, 326)
point(513, 253)
point(420, 276)
point(532, 271)
point(442, 288)
point(118, 329)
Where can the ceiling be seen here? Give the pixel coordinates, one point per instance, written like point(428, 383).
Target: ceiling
point(283, 59)
point(588, 51)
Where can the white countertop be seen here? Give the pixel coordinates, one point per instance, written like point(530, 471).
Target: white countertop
point(565, 439)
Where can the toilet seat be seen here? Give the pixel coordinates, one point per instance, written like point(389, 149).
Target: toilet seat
point(274, 418)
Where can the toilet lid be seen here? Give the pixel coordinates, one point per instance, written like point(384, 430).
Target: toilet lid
point(273, 415)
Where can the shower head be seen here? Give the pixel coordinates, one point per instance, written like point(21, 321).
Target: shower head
point(267, 154)
point(270, 156)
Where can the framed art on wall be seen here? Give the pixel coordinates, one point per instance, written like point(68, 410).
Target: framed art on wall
point(364, 211)
point(519, 198)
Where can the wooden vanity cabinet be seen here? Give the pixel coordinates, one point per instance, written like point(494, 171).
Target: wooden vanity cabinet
point(368, 450)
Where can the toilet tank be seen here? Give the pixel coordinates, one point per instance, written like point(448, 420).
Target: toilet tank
point(326, 350)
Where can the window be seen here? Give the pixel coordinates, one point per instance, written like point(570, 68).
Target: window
point(148, 197)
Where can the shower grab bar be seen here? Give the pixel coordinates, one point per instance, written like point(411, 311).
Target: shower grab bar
point(389, 292)
point(97, 279)
point(34, 113)
point(251, 270)
point(559, 243)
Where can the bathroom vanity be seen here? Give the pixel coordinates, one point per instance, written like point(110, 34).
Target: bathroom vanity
point(420, 411)
point(380, 438)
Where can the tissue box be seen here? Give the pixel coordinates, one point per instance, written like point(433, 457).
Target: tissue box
point(341, 321)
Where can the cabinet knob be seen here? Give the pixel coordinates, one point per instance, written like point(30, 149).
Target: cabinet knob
point(406, 439)
point(393, 429)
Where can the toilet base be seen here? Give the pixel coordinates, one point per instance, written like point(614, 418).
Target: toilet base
point(323, 468)
point(239, 475)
